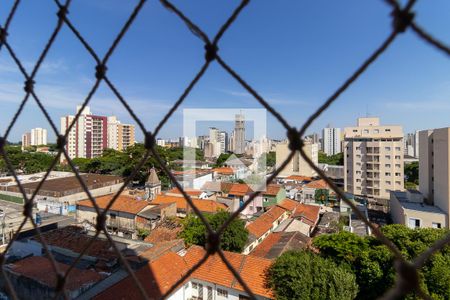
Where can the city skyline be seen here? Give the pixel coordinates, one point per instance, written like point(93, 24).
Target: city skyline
point(413, 95)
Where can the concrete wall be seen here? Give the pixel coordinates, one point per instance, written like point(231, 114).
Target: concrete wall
point(441, 176)
point(425, 165)
point(297, 165)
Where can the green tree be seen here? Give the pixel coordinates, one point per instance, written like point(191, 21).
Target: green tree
point(304, 275)
point(411, 172)
point(337, 159)
point(222, 159)
point(233, 238)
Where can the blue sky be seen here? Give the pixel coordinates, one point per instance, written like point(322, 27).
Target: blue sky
point(294, 53)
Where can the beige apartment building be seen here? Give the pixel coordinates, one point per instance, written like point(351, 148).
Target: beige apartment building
point(434, 167)
point(297, 165)
point(373, 159)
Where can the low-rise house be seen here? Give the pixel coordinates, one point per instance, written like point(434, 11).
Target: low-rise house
point(310, 191)
point(183, 207)
point(224, 174)
point(408, 208)
point(262, 226)
point(242, 192)
point(121, 217)
point(272, 195)
point(193, 179)
point(296, 179)
point(212, 280)
point(35, 278)
point(193, 193)
point(279, 242)
point(150, 217)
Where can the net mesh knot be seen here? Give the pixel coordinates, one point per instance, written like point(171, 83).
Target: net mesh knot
point(402, 19)
point(212, 243)
point(150, 141)
point(3, 35)
point(61, 142)
point(28, 209)
point(100, 71)
point(211, 52)
point(29, 85)
point(407, 276)
point(295, 142)
point(62, 12)
point(101, 221)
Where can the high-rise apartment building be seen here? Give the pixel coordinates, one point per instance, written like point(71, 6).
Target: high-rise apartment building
point(223, 141)
point(38, 136)
point(434, 167)
point(91, 134)
point(26, 140)
point(239, 134)
point(297, 165)
point(331, 141)
point(373, 159)
point(411, 144)
point(120, 136)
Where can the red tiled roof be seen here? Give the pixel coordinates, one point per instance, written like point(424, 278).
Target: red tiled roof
point(272, 189)
point(224, 170)
point(123, 203)
point(161, 234)
point(317, 184)
point(239, 189)
point(262, 249)
point(190, 192)
point(310, 212)
point(159, 275)
point(156, 278)
point(204, 205)
point(288, 204)
point(263, 223)
point(72, 238)
point(161, 248)
point(299, 178)
point(40, 269)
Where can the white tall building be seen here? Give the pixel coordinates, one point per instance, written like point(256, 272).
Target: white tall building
point(38, 136)
point(331, 141)
point(373, 159)
point(223, 141)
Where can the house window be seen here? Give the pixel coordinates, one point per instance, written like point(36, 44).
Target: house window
point(194, 286)
point(387, 174)
point(387, 165)
point(414, 223)
point(387, 148)
point(398, 183)
point(435, 225)
point(242, 297)
point(355, 130)
point(388, 157)
point(209, 295)
point(397, 148)
point(259, 240)
point(366, 131)
point(398, 174)
point(388, 182)
point(387, 130)
point(397, 157)
point(222, 293)
point(376, 131)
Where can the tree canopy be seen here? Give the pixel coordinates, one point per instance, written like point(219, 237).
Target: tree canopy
point(337, 159)
point(304, 275)
point(233, 238)
point(412, 174)
point(372, 263)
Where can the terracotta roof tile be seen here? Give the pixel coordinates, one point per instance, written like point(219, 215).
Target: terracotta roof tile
point(288, 204)
point(272, 189)
point(224, 170)
point(190, 192)
point(239, 189)
point(204, 205)
point(317, 184)
point(156, 278)
point(299, 178)
point(123, 203)
point(263, 223)
point(262, 249)
point(308, 212)
point(161, 234)
point(40, 269)
point(159, 275)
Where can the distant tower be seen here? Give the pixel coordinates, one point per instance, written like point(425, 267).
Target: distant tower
point(239, 134)
point(153, 185)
